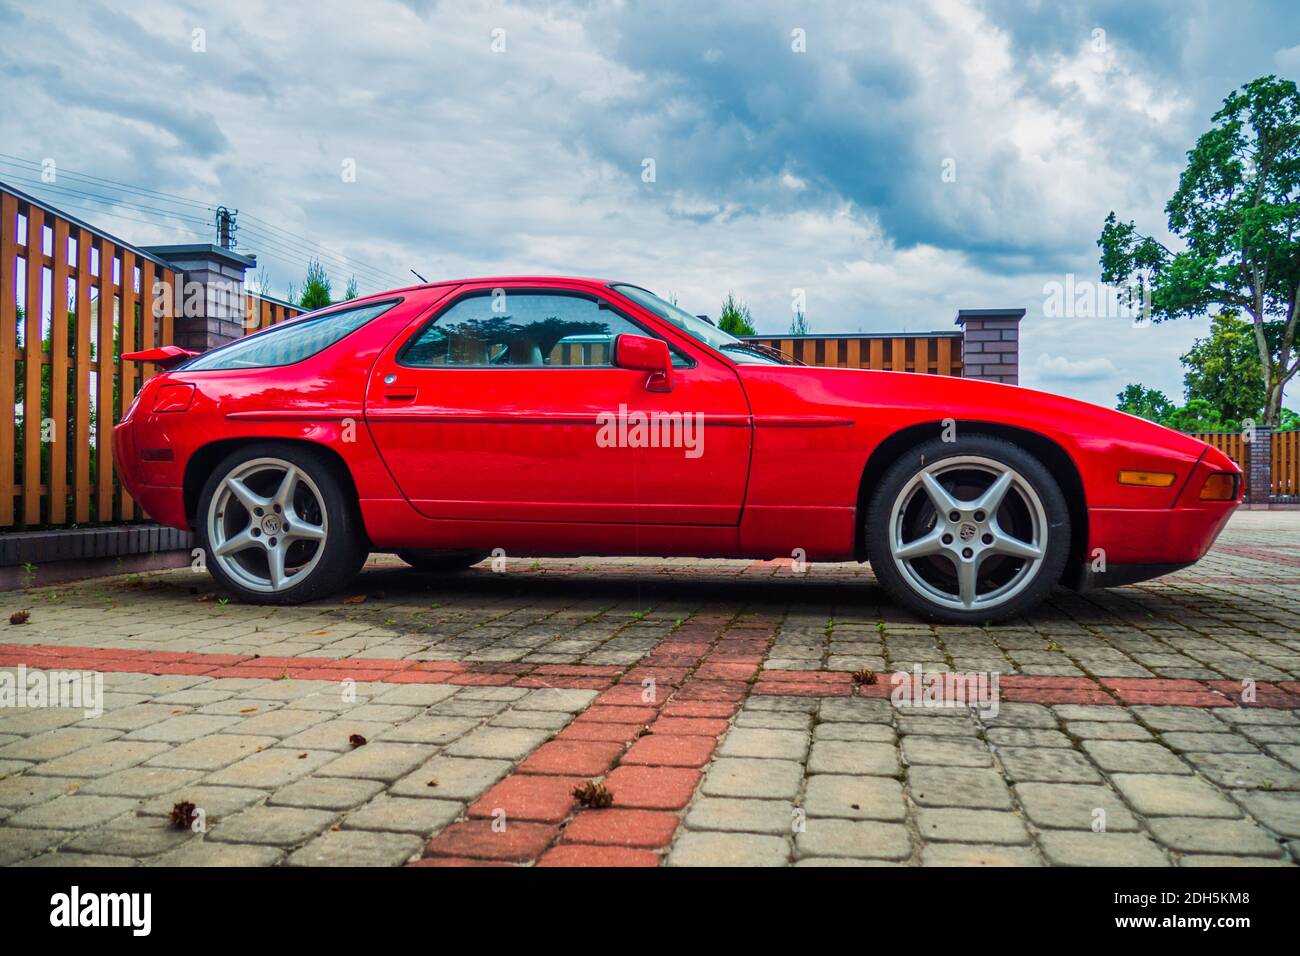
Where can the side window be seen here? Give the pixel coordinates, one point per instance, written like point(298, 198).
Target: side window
point(519, 329)
point(290, 342)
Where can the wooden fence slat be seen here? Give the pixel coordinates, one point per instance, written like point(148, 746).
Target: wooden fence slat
point(898, 355)
point(57, 507)
point(877, 360)
point(854, 357)
point(104, 381)
point(8, 345)
point(126, 333)
point(922, 362)
point(147, 369)
point(82, 359)
point(32, 411)
point(943, 357)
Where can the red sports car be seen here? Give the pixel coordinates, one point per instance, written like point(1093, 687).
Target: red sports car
point(552, 416)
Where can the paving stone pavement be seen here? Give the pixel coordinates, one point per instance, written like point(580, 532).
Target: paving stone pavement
point(448, 721)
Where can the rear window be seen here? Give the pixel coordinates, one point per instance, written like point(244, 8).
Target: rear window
point(288, 343)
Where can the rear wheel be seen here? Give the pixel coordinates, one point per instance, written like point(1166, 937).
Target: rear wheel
point(968, 531)
point(441, 562)
point(278, 526)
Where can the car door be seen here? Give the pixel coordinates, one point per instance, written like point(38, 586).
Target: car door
point(505, 406)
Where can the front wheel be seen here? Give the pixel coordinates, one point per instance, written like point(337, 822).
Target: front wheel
point(278, 526)
point(968, 531)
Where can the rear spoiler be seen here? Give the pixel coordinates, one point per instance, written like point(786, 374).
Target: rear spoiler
point(164, 355)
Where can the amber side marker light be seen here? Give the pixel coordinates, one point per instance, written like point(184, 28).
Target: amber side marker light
point(1220, 486)
point(1146, 479)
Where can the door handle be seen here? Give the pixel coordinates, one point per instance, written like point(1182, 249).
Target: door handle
point(400, 393)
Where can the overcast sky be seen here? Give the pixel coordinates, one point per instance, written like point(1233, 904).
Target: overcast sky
point(896, 161)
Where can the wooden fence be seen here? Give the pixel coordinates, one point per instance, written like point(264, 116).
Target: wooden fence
point(72, 300)
point(1285, 458)
point(935, 353)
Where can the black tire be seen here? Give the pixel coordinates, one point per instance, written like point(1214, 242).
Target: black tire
point(923, 587)
point(441, 562)
point(343, 550)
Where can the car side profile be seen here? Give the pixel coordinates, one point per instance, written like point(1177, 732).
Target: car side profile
point(553, 416)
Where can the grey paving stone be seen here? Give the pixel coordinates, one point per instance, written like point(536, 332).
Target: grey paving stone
point(946, 751)
point(451, 778)
point(335, 734)
point(176, 730)
point(1107, 730)
point(465, 707)
point(947, 723)
point(1209, 743)
point(403, 815)
point(565, 700)
point(65, 860)
point(1210, 860)
point(1074, 806)
point(1115, 756)
point(272, 768)
point(853, 709)
point(1169, 795)
point(1090, 712)
point(860, 839)
point(199, 853)
point(854, 797)
point(1027, 716)
point(775, 720)
point(129, 836)
point(27, 790)
point(283, 722)
point(56, 743)
point(271, 826)
point(699, 848)
point(1246, 771)
point(773, 744)
point(141, 782)
point(416, 695)
point(881, 733)
point(132, 718)
point(357, 848)
point(215, 802)
point(326, 793)
point(1027, 737)
point(854, 757)
point(536, 719)
point(498, 743)
point(753, 778)
point(21, 843)
point(751, 816)
point(971, 787)
point(1046, 765)
point(1226, 837)
point(1165, 718)
point(955, 825)
point(70, 812)
point(210, 753)
point(966, 854)
point(1085, 848)
point(1280, 812)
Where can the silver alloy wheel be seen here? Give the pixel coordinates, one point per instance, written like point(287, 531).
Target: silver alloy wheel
point(267, 524)
point(932, 526)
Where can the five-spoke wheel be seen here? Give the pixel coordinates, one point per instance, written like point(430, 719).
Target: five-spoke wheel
point(971, 530)
point(277, 524)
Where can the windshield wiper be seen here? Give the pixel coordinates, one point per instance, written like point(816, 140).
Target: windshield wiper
point(764, 350)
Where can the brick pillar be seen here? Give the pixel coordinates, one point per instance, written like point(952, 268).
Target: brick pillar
point(991, 344)
point(1259, 466)
point(209, 306)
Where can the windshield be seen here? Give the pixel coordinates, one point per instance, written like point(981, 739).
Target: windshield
point(739, 351)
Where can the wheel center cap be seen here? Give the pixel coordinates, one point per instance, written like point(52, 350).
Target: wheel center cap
point(966, 531)
point(271, 524)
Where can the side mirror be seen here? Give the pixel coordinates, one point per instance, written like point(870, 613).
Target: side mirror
point(644, 354)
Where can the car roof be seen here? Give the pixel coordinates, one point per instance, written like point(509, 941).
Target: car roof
point(484, 280)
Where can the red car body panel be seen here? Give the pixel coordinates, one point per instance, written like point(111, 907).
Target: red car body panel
point(509, 457)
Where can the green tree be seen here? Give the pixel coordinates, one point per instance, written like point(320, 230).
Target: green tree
point(735, 317)
point(799, 324)
point(1222, 369)
point(1236, 213)
point(1148, 403)
point(351, 291)
point(315, 288)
